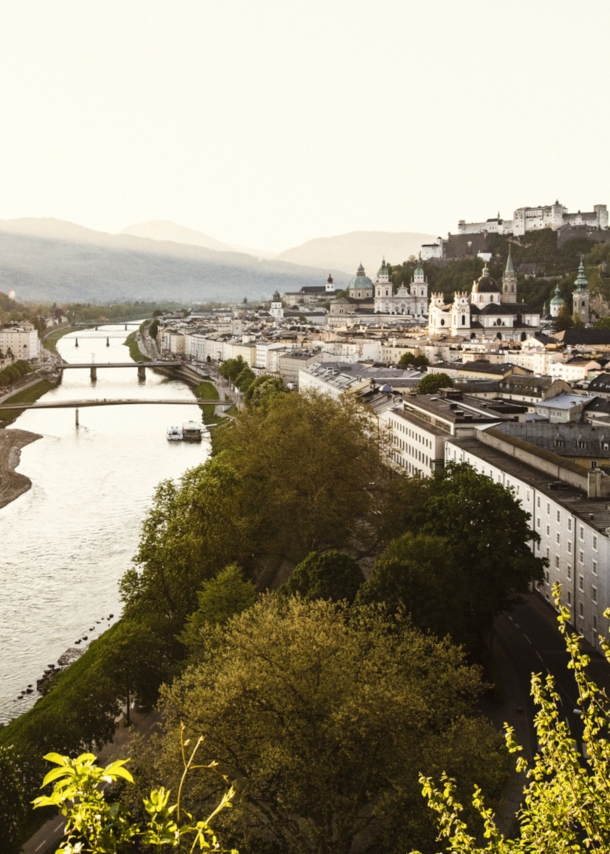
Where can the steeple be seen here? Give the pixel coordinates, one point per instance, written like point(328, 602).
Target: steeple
point(581, 282)
point(580, 294)
point(509, 282)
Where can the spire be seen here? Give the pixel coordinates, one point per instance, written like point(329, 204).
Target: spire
point(581, 283)
point(509, 263)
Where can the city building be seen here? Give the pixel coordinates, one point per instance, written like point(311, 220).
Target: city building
point(20, 342)
point(407, 299)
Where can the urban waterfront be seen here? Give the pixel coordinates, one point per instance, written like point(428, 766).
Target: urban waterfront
point(67, 542)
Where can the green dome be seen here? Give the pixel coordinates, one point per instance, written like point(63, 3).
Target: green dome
point(581, 283)
point(383, 270)
point(557, 299)
point(360, 280)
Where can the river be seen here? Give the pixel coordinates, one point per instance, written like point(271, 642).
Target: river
point(66, 542)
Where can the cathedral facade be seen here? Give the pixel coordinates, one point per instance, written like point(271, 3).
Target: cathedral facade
point(407, 299)
point(489, 311)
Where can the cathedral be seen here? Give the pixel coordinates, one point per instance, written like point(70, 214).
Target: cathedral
point(408, 299)
point(489, 311)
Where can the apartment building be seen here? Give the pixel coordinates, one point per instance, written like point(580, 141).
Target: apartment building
point(568, 507)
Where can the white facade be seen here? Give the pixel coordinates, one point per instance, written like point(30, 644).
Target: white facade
point(578, 552)
point(407, 299)
point(416, 447)
point(533, 219)
point(22, 341)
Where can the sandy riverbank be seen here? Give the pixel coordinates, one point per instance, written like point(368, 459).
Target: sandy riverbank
point(13, 484)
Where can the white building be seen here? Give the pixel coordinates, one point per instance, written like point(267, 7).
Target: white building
point(22, 342)
point(407, 299)
point(490, 311)
point(568, 506)
point(533, 219)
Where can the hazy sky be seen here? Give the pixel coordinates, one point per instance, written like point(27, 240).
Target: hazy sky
point(267, 122)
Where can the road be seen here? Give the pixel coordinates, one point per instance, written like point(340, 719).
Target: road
point(528, 641)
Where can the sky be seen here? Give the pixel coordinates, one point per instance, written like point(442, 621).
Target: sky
point(269, 123)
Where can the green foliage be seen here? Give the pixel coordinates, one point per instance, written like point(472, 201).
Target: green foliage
point(263, 390)
point(153, 329)
point(245, 378)
point(14, 372)
point(134, 350)
point(95, 826)
point(232, 368)
point(50, 341)
point(26, 395)
point(433, 383)
point(220, 598)
point(564, 319)
point(14, 790)
point(326, 716)
point(331, 575)
point(565, 805)
point(208, 391)
point(408, 360)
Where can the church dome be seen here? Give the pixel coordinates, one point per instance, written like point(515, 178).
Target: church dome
point(557, 299)
point(383, 270)
point(486, 285)
point(360, 280)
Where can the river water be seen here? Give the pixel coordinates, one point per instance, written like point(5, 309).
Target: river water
point(65, 544)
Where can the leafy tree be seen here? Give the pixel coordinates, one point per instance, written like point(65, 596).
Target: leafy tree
point(194, 527)
point(263, 390)
point(408, 360)
point(153, 329)
point(134, 664)
point(602, 323)
point(232, 368)
point(310, 476)
point(245, 378)
point(564, 319)
point(332, 575)
point(432, 383)
point(220, 598)
point(577, 323)
point(565, 805)
point(326, 716)
point(489, 537)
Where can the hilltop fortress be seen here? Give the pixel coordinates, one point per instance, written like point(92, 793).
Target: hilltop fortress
point(592, 224)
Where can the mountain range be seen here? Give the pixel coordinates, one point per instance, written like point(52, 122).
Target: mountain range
point(53, 260)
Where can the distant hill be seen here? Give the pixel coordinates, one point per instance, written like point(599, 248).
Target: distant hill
point(52, 260)
point(163, 229)
point(346, 251)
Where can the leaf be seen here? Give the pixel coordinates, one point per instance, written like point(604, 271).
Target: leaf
point(56, 774)
point(56, 758)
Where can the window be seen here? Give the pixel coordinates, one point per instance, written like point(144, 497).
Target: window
point(581, 557)
point(581, 533)
point(557, 561)
point(594, 622)
point(558, 539)
point(548, 509)
point(538, 522)
point(569, 524)
point(581, 582)
point(569, 572)
point(595, 542)
point(548, 530)
point(547, 576)
point(558, 516)
point(581, 610)
point(569, 598)
point(548, 554)
point(594, 594)
point(528, 495)
point(594, 566)
point(538, 502)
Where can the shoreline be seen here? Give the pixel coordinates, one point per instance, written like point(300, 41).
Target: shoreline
point(12, 483)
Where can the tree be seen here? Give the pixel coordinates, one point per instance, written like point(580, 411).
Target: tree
point(565, 804)
point(263, 390)
point(602, 323)
point(408, 360)
point(310, 476)
point(432, 383)
point(332, 575)
point(153, 329)
point(245, 378)
point(195, 527)
point(564, 319)
point(489, 537)
point(134, 664)
point(232, 368)
point(577, 323)
point(325, 716)
point(220, 598)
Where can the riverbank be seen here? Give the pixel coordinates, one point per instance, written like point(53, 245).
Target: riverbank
point(49, 341)
point(13, 484)
point(29, 394)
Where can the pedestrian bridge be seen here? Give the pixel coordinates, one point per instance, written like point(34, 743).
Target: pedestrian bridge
point(119, 401)
point(94, 366)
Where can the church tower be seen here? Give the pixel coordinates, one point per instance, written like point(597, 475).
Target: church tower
point(509, 282)
point(580, 295)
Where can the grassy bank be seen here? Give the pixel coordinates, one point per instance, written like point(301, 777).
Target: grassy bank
point(134, 350)
point(208, 391)
point(49, 342)
point(27, 395)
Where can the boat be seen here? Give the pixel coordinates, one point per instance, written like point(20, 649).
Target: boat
point(191, 431)
point(174, 434)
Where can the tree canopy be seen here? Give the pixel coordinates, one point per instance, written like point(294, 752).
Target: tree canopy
point(432, 383)
point(332, 575)
point(325, 717)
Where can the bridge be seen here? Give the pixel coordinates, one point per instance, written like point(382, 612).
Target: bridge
point(141, 366)
point(94, 324)
point(82, 404)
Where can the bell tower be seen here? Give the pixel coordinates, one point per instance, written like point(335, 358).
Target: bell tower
point(580, 294)
point(509, 282)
